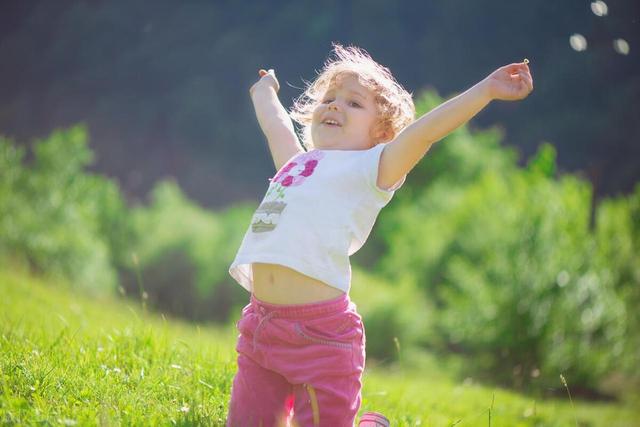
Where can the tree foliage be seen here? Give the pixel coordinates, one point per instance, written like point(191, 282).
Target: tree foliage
point(56, 217)
point(181, 254)
point(163, 85)
point(519, 279)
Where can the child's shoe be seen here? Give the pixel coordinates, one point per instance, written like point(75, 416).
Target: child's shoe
point(373, 419)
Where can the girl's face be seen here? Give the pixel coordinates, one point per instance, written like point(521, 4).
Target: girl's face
point(346, 117)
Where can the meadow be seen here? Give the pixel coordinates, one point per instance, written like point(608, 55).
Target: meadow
point(71, 358)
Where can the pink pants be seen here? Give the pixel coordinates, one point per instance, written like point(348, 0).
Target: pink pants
point(298, 363)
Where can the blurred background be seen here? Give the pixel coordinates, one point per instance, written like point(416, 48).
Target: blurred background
point(131, 162)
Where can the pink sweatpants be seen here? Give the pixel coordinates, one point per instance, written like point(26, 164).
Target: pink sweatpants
point(298, 365)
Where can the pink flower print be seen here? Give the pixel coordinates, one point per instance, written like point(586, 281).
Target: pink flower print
point(309, 167)
point(287, 181)
point(295, 173)
point(284, 171)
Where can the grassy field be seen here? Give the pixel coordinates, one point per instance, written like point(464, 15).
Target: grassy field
point(70, 359)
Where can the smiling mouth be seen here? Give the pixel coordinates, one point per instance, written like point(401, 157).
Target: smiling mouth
point(332, 123)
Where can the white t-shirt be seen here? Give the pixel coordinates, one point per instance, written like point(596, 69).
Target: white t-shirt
point(319, 209)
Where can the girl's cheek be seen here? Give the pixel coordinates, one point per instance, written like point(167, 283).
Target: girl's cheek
point(317, 113)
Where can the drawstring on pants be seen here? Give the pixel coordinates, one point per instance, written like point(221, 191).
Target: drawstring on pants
point(262, 320)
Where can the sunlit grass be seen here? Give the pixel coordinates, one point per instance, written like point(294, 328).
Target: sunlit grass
point(68, 359)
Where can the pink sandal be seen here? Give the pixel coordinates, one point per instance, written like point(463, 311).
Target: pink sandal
point(373, 419)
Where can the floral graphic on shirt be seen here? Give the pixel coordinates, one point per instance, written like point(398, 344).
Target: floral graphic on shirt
point(266, 216)
point(292, 175)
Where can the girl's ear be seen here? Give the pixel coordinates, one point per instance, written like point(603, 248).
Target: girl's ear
point(382, 132)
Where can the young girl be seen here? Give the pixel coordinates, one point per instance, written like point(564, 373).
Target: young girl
point(301, 348)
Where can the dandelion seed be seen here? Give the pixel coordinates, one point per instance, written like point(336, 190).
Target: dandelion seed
point(578, 42)
point(621, 46)
point(599, 8)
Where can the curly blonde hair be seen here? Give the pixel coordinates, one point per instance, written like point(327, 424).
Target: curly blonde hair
point(394, 103)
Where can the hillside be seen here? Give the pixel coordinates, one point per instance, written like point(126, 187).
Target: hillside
point(73, 359)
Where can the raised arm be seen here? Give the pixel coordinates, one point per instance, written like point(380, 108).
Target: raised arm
point(509, 83)
point(274, 119)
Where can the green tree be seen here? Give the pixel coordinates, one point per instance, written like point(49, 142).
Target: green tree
point(55, 216)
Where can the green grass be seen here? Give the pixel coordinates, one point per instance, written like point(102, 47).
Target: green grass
point(71, 359)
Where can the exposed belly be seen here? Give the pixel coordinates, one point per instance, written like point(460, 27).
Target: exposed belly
point(277, 284)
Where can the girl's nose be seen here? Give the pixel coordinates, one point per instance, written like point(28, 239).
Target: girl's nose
point(333, 106)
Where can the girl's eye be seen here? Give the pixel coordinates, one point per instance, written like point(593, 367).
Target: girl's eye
point(355, 104)
point(326, 101)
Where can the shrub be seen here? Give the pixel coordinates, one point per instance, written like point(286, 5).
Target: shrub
point(519, 279)
point(55, 216)
point(393, 315)
point(183, 253)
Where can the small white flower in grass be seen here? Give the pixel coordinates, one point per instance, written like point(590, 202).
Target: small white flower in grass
point(185, 408)
point(142, 373)
point(174, 366)
point(117, 370)
point(67, 422)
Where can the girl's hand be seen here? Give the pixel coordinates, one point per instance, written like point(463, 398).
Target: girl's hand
point(267, 79)
point(510, 83)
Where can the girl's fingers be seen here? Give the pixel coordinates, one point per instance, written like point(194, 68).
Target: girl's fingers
point(264, 72)
point(528, 81)
point(527, 78)
point(512, 68)
point(516, 67)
